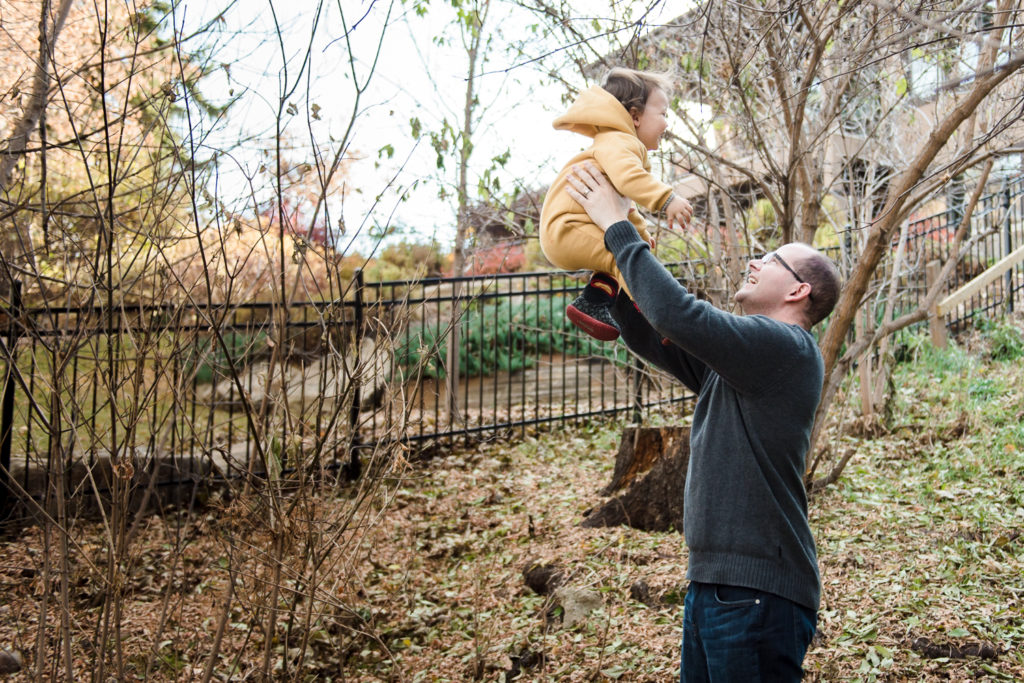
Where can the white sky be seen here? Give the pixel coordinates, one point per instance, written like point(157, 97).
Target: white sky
point(414, 77)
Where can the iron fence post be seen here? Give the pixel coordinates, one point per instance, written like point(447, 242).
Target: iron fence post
point(7, 416)
point(1008, 245)
point(454, 356)
point(354, 467)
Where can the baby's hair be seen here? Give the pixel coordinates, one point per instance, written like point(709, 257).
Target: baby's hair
point(632, 87)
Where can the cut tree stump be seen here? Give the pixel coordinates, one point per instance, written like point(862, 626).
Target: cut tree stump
point(654, 502)
point(639, 449)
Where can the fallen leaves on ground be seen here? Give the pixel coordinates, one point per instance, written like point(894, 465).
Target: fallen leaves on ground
point(463, 567)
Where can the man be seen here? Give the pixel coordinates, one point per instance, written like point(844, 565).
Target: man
point(751, 606)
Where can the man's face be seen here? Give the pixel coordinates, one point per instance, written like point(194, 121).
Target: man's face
point(769, 280)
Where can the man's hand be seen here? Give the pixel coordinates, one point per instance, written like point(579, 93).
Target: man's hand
point(588, 186)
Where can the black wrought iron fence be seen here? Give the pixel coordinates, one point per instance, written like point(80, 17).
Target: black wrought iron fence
point(995, 230)
point(508, 360)
point(235, 388)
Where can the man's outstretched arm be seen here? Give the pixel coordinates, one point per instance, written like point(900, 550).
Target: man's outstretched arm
point(643, 340)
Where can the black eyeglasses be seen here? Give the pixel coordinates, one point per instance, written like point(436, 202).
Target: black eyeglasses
point(774, 256)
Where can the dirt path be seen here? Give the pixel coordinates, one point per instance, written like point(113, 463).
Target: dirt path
point(554, 380)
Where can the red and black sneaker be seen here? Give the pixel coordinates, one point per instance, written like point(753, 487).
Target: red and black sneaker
point(591, 311)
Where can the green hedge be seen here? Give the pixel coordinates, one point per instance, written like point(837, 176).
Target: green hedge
point(209, 361)
point(498, 335)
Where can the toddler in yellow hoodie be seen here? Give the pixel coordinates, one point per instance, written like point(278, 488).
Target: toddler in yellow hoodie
point(626, 117)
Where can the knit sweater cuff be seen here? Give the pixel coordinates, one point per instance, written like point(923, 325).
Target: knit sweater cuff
point(619, 235)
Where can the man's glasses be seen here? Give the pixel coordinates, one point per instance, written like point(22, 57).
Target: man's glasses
point(774, 256)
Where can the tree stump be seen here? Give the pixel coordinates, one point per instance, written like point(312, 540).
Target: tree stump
point(655, 502)
point(639, 449)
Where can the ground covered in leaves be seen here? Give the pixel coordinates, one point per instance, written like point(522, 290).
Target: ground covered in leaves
point(473, 565)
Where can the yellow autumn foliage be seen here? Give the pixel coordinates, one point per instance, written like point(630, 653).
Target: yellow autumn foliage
point(241, 263)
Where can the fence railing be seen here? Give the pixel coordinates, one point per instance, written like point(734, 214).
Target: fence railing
point(232, 389)
point(252, 387)
point(519, 362)
point(996, 228)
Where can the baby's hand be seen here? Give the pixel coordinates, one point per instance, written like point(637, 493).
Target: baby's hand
point(679, 212)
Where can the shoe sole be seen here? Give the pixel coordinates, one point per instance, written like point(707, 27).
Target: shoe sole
point(592, 326)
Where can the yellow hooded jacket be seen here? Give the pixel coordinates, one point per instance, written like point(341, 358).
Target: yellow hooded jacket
point(568, 237)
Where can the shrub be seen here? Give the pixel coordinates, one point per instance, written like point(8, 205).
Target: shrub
point(1004, 339)
point(502, 336)
point(208, 361)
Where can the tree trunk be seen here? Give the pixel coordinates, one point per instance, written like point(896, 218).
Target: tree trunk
point(470, 104)
point(880, 236)
point(17, 244)
point(655, 502)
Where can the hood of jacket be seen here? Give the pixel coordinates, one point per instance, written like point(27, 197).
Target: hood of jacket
point(595, 110)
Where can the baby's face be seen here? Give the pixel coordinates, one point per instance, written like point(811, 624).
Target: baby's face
point(654, 120)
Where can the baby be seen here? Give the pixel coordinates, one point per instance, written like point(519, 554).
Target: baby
point(626, 117)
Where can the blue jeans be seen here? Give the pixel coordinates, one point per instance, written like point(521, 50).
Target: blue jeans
point(742, 635)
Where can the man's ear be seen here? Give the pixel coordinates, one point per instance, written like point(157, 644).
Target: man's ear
point(801, 292)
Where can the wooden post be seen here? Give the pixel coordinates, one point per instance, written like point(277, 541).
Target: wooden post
point(936, 322)
point(867, 407)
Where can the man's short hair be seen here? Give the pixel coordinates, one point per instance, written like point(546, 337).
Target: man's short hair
point(632, 87)
point(822, 275)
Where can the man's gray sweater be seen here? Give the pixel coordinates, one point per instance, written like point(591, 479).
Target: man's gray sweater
point(758, 382)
